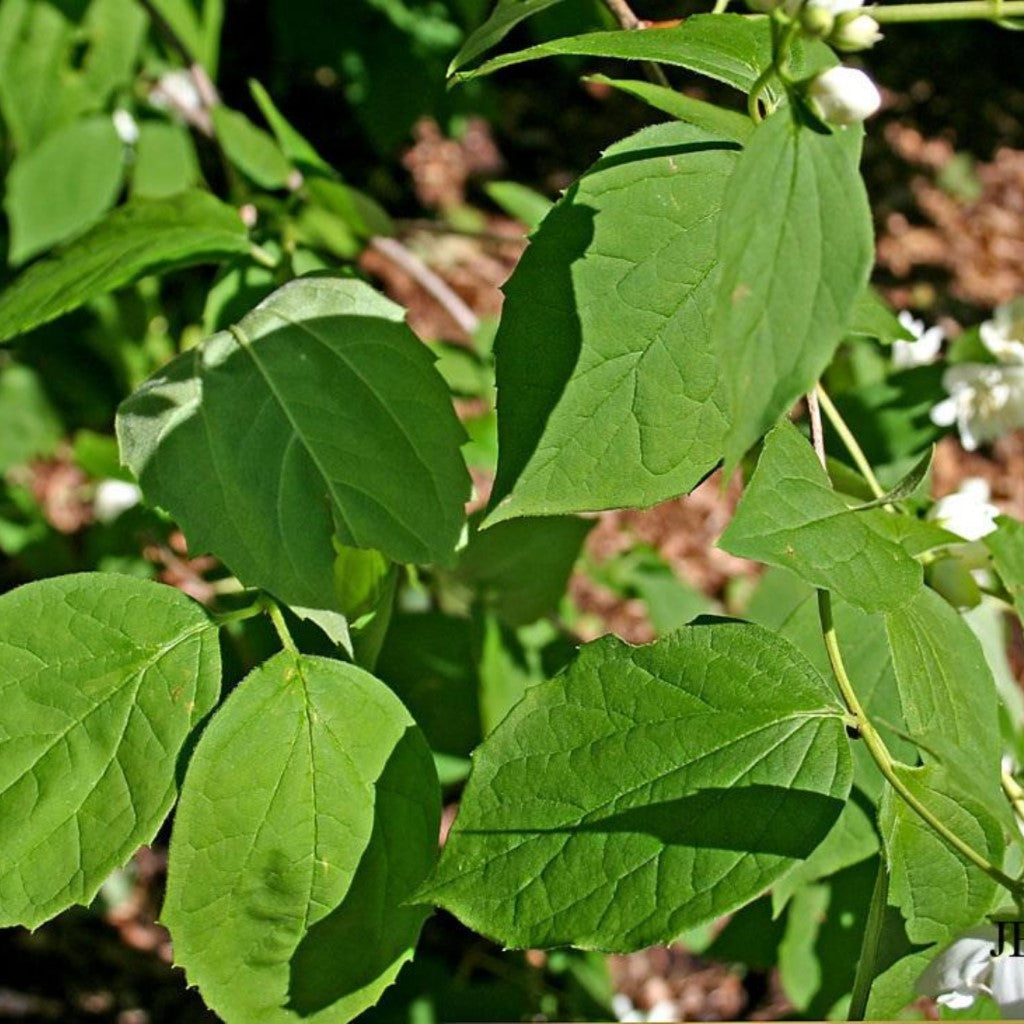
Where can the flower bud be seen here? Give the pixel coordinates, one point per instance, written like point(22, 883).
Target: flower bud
point(836, 7)
point(844, 95)
point(854, 32)
point(126, 126)
point(817, 20)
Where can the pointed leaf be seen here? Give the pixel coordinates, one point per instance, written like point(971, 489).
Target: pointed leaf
point(522, 567)
point(359, 211)
point(519, 201)
point(789, 516)
point(319, 414)
point(104, 678)
point(308, 815)
point(294, 145)
point(906, 486)
point(505, 16)
point(145, 236)
point(712, 118)
point(872, 318)
point(607, 326)
point(790, 606)
point(938, 892)
point(63, 186)
point(948, 695)
point(197, 23)
point(727, 47)
point(796, 247)
point(646, 790)
point(255, 153)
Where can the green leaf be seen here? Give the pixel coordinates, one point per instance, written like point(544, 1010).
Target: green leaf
point(293, 144)
point(165, 161)
point(730, 48)
point(1007, 546)
point(63, 186)
point(520, 202)
point(938, 892)
point(796, 247)
point(948, 694)
point(872, 318)
point(430, 661)
point(505, 16)
point(363, 214)
point(799, 970)
point(521, 568)
point(853, 839)
point(29, 425)
point(59, 61)
point(822, 944)
point(239, 286)
point(251, 149)
point(308, 815)
point(709, 116)
point(789, 516)
point(784, 603)
point(197, 23)
point(900, 964)
point(464, 372)
point(608, 326)
point(318, 414)
point(510, 662)
point(360, 577)
point(905, 487)
point(645, 790)
point(104, 678)
point(142, 237)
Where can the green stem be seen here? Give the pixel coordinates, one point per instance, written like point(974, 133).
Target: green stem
point(277, 618)
point(720, 6)
point(868, 958)
point(240, 614)
point(849, 441)
point(784, 31)
point(953, 10)
point(755, 94)
point(1014, 793)
point(886, 765)
point(262, 257)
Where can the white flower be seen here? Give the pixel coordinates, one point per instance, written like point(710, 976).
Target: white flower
point(967, 512)
point(627, 1013)
point(126, 126)
point(624, 1010)
point(1003, 335)
point(114, 497)
point(966, 969)
point(855, 32)
point(922, 350)
point(985, 401)
point(844, 95)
